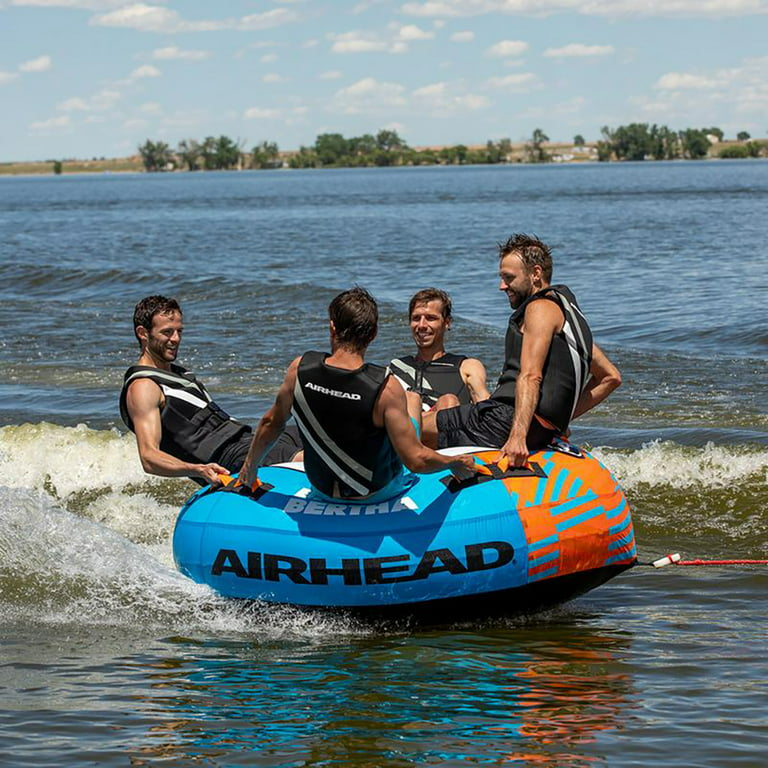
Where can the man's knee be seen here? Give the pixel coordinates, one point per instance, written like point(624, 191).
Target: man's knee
point(446, 401)
point(429, 429)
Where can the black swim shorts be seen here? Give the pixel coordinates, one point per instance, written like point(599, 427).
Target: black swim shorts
point(285, 448)
point(486, 424)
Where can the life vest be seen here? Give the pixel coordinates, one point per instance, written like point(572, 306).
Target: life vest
point(432, 379)
point(566, 369)
point(345, 454)
point(194, 428)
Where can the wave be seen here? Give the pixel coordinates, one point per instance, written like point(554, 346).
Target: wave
point(85, 535)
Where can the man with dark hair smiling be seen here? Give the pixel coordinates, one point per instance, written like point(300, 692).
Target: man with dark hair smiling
point(441, 378)
point(180, 431)
point(553, 371)
point(353, 417)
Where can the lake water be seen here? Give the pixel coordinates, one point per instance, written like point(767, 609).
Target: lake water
point(108, 656)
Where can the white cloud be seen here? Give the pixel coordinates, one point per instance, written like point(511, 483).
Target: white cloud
point(40, 64)
point(53, 124)
point(268, 20)
point(412, 32)
point(332, 74)
point(147, 70)
point(610, 8)
point(448, 98)
point(674, 81)
point(520, 83)
point(259, 113)
point(6, 77)
point(507, 49)
point(87, 5)
point(739, 94)
point(369, 95)
point(462, 37)
point(134, 123)
point(173, 52)
point(268, 58)
point(75, 104)
point(362, 42)
point(579, 49)
point(154, 18)
point(272, 77)
point(99, 102)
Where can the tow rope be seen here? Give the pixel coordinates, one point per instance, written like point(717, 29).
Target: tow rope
point(676, 559)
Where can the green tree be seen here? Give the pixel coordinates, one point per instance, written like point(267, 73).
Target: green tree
point(208, 153)
point(534, 149)
point(694, 142)
point(743, 136)
point(664, 143)
point(189, 153)
point(265, 155)
point(228, 153)
point(57, 167)
point(156, 156)
point(632, 142)
point(605, 145)
point(306, 157)
point(578, 140)
point(330, 148)
point(389, 141)
point(362, 146)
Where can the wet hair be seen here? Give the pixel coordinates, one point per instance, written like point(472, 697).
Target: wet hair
point(532, 252)
point(432, 294)
point(355, 317)
point(145, 311)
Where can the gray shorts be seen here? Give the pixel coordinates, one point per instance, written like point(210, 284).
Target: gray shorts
point(485, 424)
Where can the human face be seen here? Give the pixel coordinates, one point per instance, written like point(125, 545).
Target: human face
point(164, 338)
point(428, 326)
point(515, 280)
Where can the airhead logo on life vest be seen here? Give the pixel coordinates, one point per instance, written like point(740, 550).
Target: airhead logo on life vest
point(333, 392)
point(355, 571)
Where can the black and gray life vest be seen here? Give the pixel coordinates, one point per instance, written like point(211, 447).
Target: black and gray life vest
point(345, 454)
point(195, 429)
point(566, 369)
point(432, 379)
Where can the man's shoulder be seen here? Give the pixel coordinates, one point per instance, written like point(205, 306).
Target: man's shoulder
point(152, 374)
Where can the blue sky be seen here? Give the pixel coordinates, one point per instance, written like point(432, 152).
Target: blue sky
point(92, 78)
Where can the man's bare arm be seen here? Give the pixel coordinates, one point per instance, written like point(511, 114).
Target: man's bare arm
point(605, 378)
point(143, 400)
point(543, 319)
point(391, 407)
point(474, 375)
point(270, 426)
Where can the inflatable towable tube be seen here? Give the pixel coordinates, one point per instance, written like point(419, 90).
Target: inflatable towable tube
point(449, 549)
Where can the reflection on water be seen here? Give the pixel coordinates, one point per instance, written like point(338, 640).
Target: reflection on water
point(530, 695)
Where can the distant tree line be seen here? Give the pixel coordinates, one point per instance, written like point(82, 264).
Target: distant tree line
point(637, 141)
point(640, 141)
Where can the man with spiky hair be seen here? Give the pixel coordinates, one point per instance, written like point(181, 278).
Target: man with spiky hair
point(553, 371)
point(180, 431)
point(354, 418)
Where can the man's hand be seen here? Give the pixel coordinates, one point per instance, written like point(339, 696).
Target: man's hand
point(210, 472)
point(515, 450)
point(464, 461)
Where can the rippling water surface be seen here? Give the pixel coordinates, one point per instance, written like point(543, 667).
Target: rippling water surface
point(109, 656)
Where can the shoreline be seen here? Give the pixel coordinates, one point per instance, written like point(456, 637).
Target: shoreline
point(561, 154)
